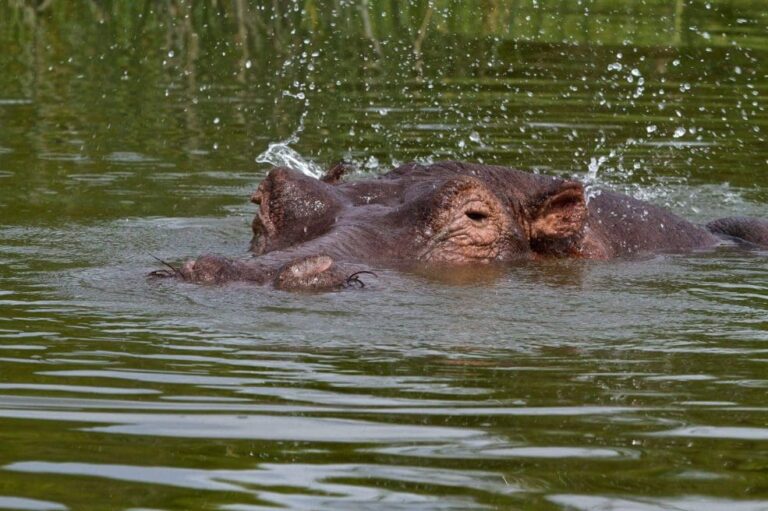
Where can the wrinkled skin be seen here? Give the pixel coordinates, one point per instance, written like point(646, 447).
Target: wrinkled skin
point(318, 234)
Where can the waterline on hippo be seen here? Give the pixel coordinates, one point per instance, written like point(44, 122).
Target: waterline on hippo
point(325, 234)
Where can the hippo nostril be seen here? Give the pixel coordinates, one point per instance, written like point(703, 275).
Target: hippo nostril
point(187, 270)
point(476, 216)
point(213, 269)
point(312, 273)
point(310, 266)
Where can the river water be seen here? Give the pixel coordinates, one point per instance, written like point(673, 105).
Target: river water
point(129, 132)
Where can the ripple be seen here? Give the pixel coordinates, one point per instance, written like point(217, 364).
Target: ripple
point(157, 377)
point(70, 157)
point(343, 399)
point(252, 427)
point(97, 179)
point(487, 450)
point(573, 125)
point(716, 432)
point(20, 503)
point(25, 347)
point(698, 475)
point(561, 452)
point(708, 403)
point(129, 157)
point(691, 503)
point(678, 143)
point(76, 389)
point(312, 486)
point(682, 377)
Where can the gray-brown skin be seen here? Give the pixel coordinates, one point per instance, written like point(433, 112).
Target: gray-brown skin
point(314, 234)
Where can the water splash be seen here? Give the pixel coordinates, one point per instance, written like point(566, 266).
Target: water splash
point(594, 167)
point(591, 179)
point(281, 154)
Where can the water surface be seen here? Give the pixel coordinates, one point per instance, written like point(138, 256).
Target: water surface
point(128, 132)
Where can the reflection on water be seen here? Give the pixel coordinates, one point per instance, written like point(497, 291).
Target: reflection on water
point(128, 134)
point(693, 503)
point(415, 393)
point(515, 390)
point(323, 480)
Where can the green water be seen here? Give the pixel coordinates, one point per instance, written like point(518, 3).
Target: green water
point(130, 130)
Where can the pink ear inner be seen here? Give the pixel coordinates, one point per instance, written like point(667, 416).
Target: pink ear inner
point(558, 223)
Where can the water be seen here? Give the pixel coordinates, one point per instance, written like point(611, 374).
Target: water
point(571, 385)
point(280, 154)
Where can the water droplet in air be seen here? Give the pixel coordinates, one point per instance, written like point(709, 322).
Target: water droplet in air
point(679, 132)
point(372, 163)
point(650, 129)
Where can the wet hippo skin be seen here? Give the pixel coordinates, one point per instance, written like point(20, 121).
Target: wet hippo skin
point(312, 234)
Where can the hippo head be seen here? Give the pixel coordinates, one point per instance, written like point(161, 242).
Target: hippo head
point(316, 234)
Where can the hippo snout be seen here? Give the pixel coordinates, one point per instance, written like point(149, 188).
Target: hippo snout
point(313, 273)
point(209, 269)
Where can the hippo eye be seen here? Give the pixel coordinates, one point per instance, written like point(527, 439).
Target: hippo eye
point(476, 216)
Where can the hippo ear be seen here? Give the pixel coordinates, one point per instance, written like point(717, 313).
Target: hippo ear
point(558, 220)
point(335, 174)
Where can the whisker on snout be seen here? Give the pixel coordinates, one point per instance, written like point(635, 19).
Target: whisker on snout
point(172, 272)
point(355, 278)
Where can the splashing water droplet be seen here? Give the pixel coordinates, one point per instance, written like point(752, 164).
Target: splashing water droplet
point(280, 154)
point(651, 129)
point(594, 167)
point(372, 163)
point(679, 132)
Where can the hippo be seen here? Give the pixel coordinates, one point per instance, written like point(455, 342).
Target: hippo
point(324, 234)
